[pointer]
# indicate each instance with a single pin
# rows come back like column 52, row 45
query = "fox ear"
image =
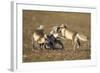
column 62, row 25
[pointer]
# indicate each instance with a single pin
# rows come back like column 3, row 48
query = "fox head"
column 62, row 26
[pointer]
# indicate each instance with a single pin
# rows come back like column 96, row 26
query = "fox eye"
column 58, row 28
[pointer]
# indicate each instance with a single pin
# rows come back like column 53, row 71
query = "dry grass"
column 79, row 22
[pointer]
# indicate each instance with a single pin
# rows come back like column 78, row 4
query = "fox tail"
column 82, row 37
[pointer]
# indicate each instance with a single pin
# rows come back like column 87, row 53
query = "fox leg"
column 76, row 42
column 74, row 46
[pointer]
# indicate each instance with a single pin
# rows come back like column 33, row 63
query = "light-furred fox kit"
column 71, row 35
